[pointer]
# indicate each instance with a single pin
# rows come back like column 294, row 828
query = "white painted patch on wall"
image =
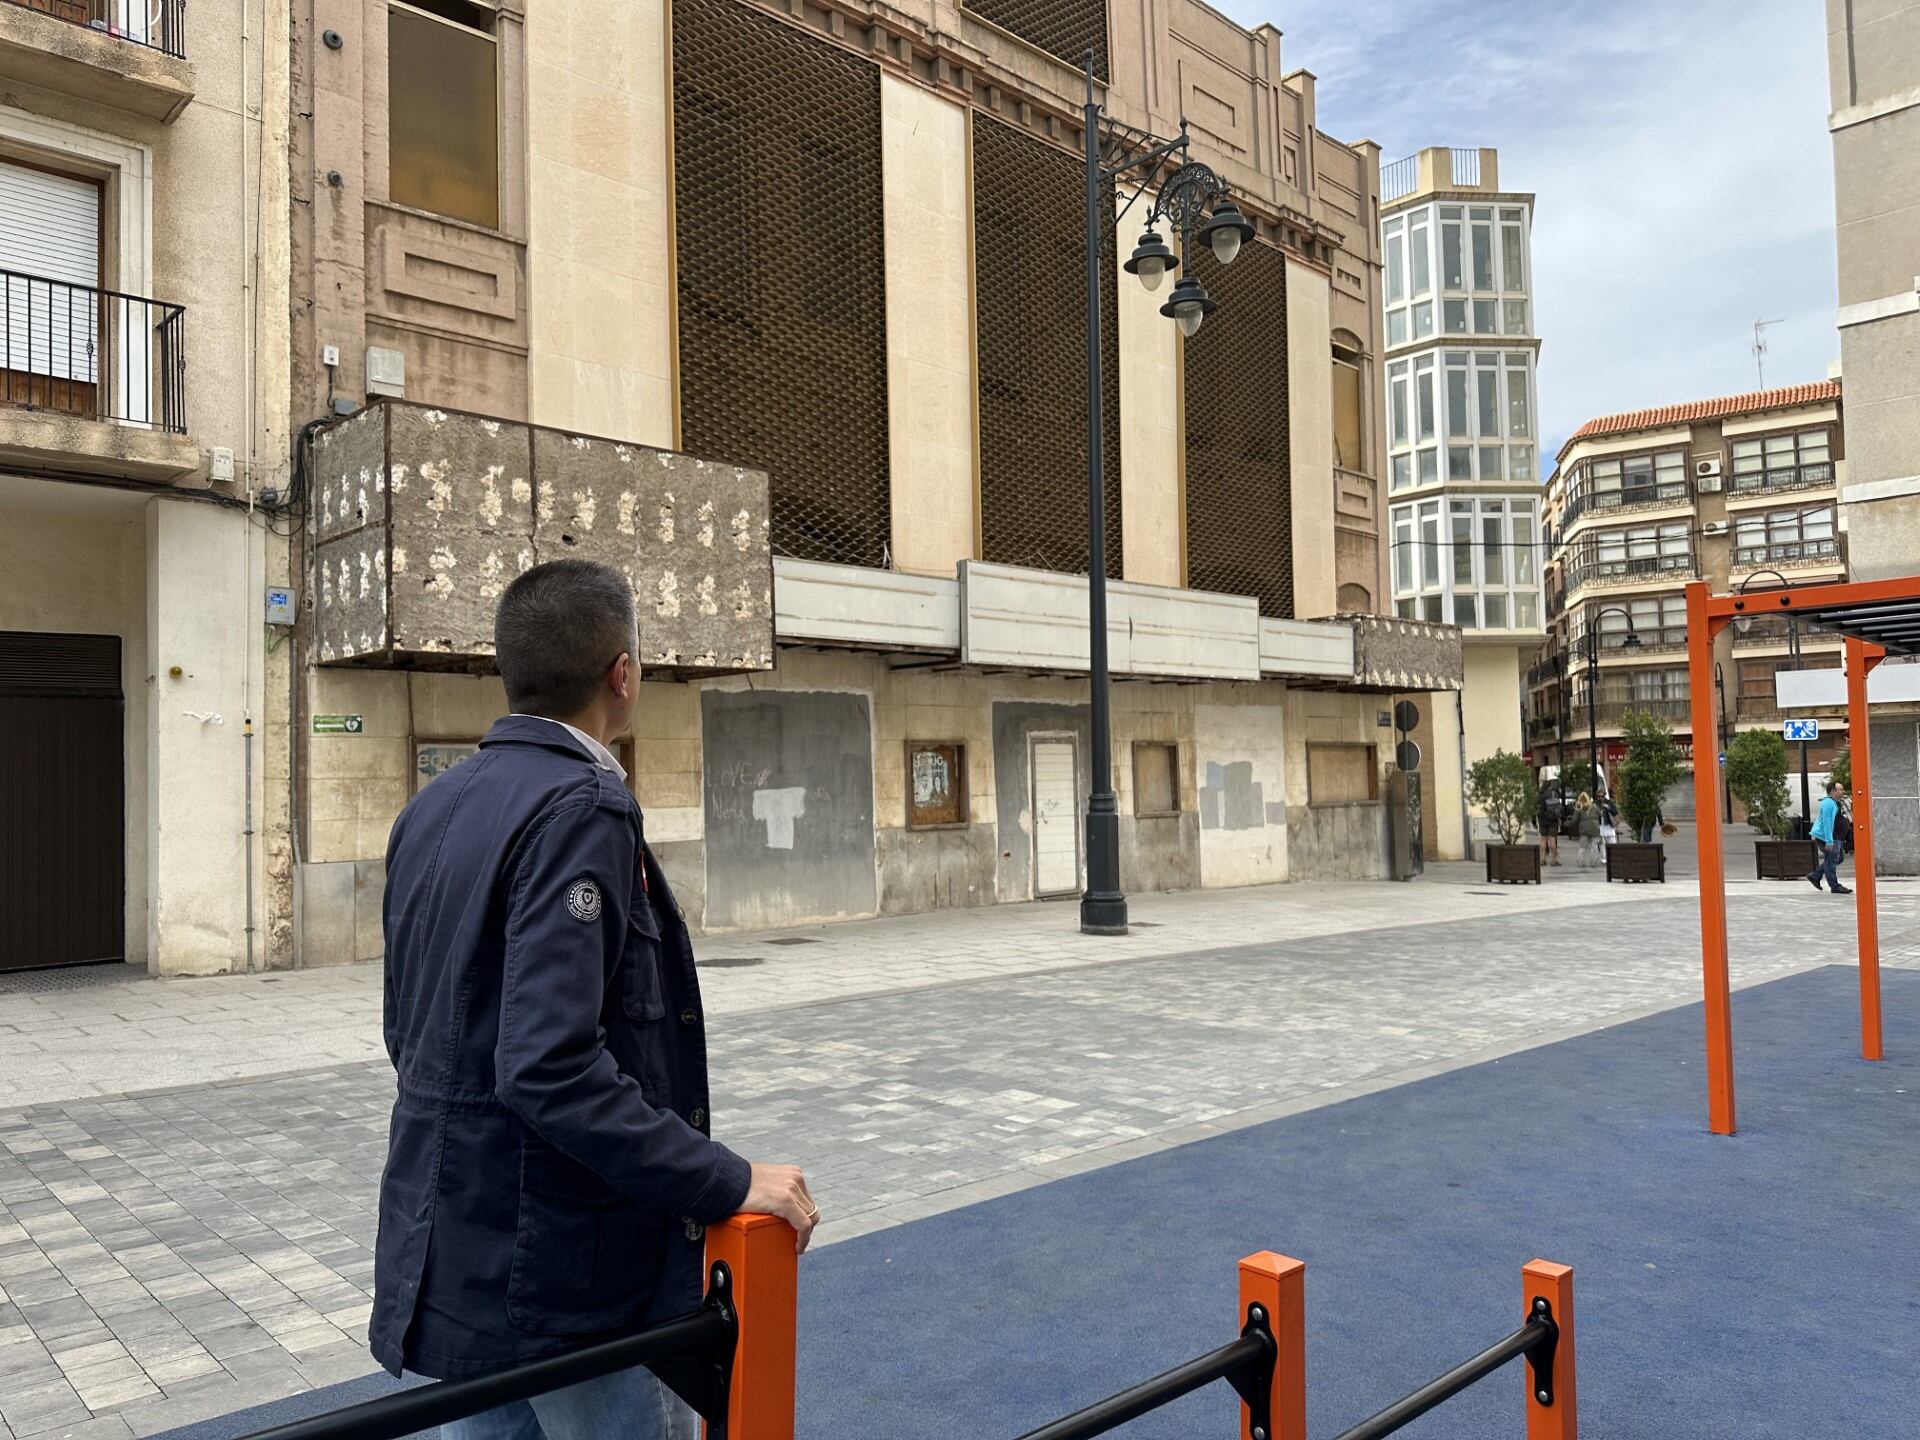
column 779, row 809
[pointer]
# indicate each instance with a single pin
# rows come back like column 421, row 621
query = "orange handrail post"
column 1542, row 1279
column 1861, row 658
column 758, row 1250
column 1278, row 1283
column 1701, row 628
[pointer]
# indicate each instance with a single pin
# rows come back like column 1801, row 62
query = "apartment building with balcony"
column 143, row 444
column 1463, row 493
column 780, row 307
column 1740, row 492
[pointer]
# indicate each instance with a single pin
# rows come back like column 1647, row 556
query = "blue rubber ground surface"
column 1764, row 1285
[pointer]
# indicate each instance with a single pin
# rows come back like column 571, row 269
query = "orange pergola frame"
column 1874, row 616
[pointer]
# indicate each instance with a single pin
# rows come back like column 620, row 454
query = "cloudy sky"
column 1679, row 152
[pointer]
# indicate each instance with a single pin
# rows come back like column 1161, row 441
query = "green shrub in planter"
column 1651, row 768
column 1757, row 775
column 1502, row 785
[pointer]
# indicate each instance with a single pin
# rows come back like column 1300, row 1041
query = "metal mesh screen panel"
column 1030, row 281
column 782, row 272
column 1066, row 29
column 1239, row 479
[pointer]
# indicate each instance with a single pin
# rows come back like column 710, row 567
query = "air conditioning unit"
column 1706, row 474
column 1714, row 527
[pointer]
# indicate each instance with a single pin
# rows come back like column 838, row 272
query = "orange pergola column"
column 1861, row 658
column 1278, row 1283
column 1701, row 629
column 758, row 1249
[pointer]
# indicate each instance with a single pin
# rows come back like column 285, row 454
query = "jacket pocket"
column 641, row 995
column 564, row 1280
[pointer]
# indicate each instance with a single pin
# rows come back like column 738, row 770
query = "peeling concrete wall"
column 1335, row 842
column 1241, row 775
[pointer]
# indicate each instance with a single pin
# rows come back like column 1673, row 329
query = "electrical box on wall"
column 280, row 605
column 386, row 371
column 220, row 465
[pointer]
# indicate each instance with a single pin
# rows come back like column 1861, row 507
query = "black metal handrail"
column 1537, row 1340
column 1629, row 496
column 1246, row 1363
column 1814, row 476
column 1583, row 573
column 100, row 354
column 692, row 1354
column 157, row 24
column 1788, row 552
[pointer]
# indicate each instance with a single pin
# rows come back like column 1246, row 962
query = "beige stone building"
column 563, row 275
column 1741, row 492
column 143, row 471
column 1463, row 475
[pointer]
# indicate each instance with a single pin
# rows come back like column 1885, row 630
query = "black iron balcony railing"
column 1788, row 553
column 1614, row 712
column 98, row 354
column 1790, row 477
column 1653, row 637
column 1624, row 497
column 157, row 24
column 1633, row 568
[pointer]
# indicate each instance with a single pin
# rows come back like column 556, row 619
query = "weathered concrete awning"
column 1403, row 656
column 423, row 516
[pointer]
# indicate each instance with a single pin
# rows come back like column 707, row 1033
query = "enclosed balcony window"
column 443, row 111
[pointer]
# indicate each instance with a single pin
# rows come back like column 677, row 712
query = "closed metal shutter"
column 49, row 264
column 62, row 800
column 1030, row 267
column 1239, row 467
column 782, row 273
column 49, row 225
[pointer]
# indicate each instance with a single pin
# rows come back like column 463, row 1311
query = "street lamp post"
column 1632, row 642
column 1191, row 199
column 1793, row 662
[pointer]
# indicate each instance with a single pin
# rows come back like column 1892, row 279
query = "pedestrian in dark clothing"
column 549, row 1168
column 1833, row 848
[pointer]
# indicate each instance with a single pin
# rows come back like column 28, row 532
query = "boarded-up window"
column 443, row 112
column 1156, row 778
column 1341, row 774
column 1347, row 428
column 936, row 784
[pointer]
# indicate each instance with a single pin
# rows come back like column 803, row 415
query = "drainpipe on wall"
column 1466, row 810
column 247, row 732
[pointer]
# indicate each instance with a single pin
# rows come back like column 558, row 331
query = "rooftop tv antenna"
column 1760, row 347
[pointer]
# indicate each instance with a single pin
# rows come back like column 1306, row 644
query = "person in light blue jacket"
column 1833, row 849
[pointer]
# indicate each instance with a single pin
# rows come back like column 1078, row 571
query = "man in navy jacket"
column 549, row 1168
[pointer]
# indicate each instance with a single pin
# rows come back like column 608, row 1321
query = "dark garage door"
column 62, row 800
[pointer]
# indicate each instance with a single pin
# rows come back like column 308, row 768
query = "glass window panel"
column 1463, row 549
column 1749, row 530
column 1423, row 388
column 1813, row 447
column 1420, row 258
column 1818, row 525
column 1524, row 555
column 1519, row 413
column 1423, row 320
column 1452, row 276
column 1435, row 608
column 1396, row 270
column 1454, row 320
column 1430, row 548
column 1746, row 457
column 1465, row 612
column 1397, row 411
column 443, row 120
column 1459, row 462
column 1481, row 212
column 1483, row 257
column 1496, row 611
column 1612, row 545
column 1526, row 610
column 1492, row 465
column 1493, row 542
column 1396, row 327
column 1670, row 467
column 1779, row 449
column 1348, row 411
column 1402, row 475
column 1512, row 276
column 1408, row 608
column 1516, row 317
column 1486, row 317
column 1489, row 405
column 1520, row 462
column 1782, row 528
column 1459, row 413
column 1429, row 465
column 1402, row 551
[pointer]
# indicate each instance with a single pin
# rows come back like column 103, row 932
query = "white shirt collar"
column 598, row 753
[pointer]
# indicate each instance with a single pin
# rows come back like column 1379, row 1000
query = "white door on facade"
column 1056, row 819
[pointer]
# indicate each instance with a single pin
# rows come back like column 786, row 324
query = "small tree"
column 1842, row 770
column 1649, row 771
column 1757, row 775
column 1502, row 785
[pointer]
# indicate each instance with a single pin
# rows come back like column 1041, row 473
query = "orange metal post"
column 1560, row 1420
column 1701, row 628
column 1279, row 1283
column 758, row 1249
column 1861, row 658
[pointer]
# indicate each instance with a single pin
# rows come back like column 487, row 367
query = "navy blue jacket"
column 548, row 1168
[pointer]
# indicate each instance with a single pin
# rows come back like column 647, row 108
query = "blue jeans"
column 1829, row 866
column 627, row 1405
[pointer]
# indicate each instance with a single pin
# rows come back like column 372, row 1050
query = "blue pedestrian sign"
column 1800, row 729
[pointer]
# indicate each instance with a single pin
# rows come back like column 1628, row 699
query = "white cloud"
column 1680, row 155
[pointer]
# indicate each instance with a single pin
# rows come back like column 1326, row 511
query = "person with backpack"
column 1833, row 829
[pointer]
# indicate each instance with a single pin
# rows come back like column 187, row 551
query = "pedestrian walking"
column 1549, row 821
column 550, row 1167
column 1609, row 822
column 1586, row 824
column 1832, row 829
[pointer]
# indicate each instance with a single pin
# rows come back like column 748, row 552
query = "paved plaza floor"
column 188, row 1175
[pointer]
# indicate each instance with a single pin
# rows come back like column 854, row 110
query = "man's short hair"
column 1833, row 785
column 558, row 628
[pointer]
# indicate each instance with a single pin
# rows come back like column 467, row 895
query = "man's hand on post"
column 782, row 1190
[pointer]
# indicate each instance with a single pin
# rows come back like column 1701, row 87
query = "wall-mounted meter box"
column 279, row 605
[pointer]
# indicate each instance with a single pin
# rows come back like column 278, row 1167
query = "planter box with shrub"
column 1513, row 864
column 1631, row 861
column 1785, row 859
